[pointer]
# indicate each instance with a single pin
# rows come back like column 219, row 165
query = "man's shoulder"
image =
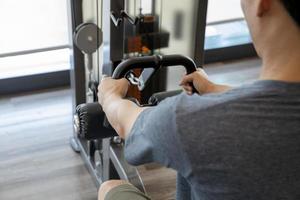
column 206, row 101
column 256, row 90
column 184, row 104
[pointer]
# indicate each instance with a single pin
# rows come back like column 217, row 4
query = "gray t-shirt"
column 239, row 145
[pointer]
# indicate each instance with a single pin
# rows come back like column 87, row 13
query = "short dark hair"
column 293, row 8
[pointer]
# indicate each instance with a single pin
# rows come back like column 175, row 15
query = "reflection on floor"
column 36, row 161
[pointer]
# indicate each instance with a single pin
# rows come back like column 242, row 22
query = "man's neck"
column 284, row 67
column 281, row 51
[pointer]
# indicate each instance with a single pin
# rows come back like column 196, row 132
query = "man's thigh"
column 121, row 190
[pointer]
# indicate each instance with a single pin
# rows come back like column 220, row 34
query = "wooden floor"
column 36, row 161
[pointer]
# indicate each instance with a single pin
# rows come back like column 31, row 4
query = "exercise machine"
column 105, row 149
column 121, row 40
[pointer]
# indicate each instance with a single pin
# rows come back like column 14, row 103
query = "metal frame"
column 229, row 53
column 113, row 37
column 25, row 52
column 125, row 171
column 34, row 82
column 224, row 21
column 21, row 84
column 237, row 51
column 77, row 71
column 109, row 151
column 200, row 32
column 111, row 163
column 106, row 150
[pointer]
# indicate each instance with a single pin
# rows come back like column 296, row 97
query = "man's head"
column 269, row 20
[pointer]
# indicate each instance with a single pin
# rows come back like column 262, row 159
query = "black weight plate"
column 88, row 37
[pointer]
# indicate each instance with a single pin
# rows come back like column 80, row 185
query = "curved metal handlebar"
column 155, row 62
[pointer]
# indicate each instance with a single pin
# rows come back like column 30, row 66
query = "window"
column 146, row 6
column 220, row 10
column 34, row 37
column 225, row 25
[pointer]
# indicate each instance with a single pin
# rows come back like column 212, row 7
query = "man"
column 226, row 144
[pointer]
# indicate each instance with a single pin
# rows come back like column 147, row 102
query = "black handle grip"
column 186, row 62
column 175, row 60
column 155, row 62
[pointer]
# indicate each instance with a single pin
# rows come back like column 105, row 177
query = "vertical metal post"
column 113, row 37
column 106, row 159
column 77, row 72
column 200, row 23
column 153, row 7
column 117, row 33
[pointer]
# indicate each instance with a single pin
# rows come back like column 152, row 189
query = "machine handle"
column 155, row 62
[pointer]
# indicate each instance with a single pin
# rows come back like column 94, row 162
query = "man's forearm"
column 216, row 88
column 121, row 114
column 220, row 88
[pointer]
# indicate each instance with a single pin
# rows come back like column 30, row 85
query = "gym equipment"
column 88, row 38
column 145, row 36
column 124, row 40
column 105, row 156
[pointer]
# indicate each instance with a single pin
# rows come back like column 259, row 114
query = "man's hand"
column 109, row 88
column 201, row 83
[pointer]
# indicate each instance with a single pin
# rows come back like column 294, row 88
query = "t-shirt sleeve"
column 154, row 137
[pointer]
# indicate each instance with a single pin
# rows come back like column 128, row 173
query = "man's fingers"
column 188, row 91
column 187, row 79
column 187, row 88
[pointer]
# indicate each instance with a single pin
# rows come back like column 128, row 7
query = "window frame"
column 55, row 79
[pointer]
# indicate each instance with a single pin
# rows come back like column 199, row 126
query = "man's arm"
column 121, row 113
column 151, row 135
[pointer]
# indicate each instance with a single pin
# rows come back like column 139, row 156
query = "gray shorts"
column 126, row 192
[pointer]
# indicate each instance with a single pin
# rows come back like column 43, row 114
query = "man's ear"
column 262, row 7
